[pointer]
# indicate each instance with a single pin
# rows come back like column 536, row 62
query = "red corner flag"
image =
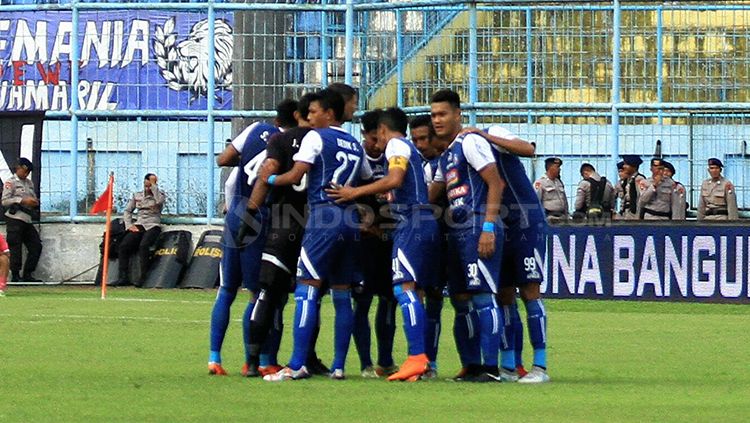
column 103, row 202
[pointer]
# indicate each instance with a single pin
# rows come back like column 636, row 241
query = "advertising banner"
column 703, row 263
column 136, row 60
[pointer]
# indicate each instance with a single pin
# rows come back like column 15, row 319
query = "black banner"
column 20, row 136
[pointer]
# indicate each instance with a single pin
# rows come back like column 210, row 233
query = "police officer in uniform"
column 680, row 204
column 718, row 200
column 657, row 199
column 632, row 187
column 622, row 178
column 551, row 192
column 595, row 195
column 19, row 200
column 143, row 231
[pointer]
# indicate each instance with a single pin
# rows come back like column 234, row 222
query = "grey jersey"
column 656, row 200
column 718, row 200
column 16, row 189
column 149, row 207
column 552, row 195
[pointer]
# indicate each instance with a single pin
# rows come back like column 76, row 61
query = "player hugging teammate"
column 461, row 213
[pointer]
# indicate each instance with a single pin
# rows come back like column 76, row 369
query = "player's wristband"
column 272, row 179
column 488, row 227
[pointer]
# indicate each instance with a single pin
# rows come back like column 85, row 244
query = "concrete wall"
column 72, row 248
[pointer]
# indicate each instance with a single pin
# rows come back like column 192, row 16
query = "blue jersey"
column 251, row 144
column 459, row 168
column 378, row 166
column 413, row 190
column 336, row 158
column 519, row 198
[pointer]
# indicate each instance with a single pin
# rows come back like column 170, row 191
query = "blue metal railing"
column 436, row 14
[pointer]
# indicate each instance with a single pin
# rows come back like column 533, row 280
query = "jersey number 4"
column 253, row 166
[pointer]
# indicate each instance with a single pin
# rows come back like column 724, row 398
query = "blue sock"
column 305, row 322
column 517, row 327
column 270, row 349
column 385, row 330
column 246, row 328
column 220, row 322
column 343, row 326
column 362, row 332
column 413, row 313
column 508, row 340
column 433, row 308
column 490, row 327
column 537, row 320
column 464, row 333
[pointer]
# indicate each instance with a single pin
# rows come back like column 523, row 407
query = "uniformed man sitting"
column 21, row 203
column 633, row 186
column 143, row 231
column 658, row 199
column 681, row 205
column 551, row 192
column 718, row 200
column 595, row 195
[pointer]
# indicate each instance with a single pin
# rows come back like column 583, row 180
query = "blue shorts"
column 523, row 254
column 467, row 272
column 331, row 248
column 416, row 245
column 240, row 265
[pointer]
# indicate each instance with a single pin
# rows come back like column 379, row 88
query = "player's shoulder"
column 498, row 131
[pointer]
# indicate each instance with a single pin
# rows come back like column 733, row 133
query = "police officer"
column 595, row 195
column 680, row 205
column 622, row 178
column 633, row 186
column 551, row 192
column 718, row 200
column 656, row 200
column 143, row 231
column 19, row 200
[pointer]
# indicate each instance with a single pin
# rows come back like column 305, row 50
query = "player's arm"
column 231, row 154
column 270, row 166
column 293, row 177
column 397, row 166
column 260, row 189
column 229, row 157
column 309, row 149
column 503, row 138
column 436, row 189
column 495, row 187
column 479, row 155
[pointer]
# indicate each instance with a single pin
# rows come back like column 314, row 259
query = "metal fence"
column 587, row 81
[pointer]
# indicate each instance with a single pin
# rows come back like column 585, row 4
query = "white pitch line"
column 63, row 317
column 137, row 300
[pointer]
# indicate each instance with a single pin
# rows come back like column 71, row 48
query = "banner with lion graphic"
column 136, row 60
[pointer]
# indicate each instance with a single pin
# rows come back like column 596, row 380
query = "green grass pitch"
column 66, row 355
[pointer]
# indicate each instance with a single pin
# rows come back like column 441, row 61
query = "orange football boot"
column 415, row 365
